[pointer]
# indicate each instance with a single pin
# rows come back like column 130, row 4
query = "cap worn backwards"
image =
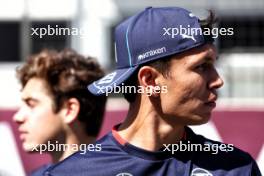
column 147, row 36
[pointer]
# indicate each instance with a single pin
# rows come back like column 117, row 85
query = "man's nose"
column 19, row 116
column 216, row 81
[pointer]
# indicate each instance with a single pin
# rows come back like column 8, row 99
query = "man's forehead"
column 34, row 89
column 207, row 51
column 29, row 94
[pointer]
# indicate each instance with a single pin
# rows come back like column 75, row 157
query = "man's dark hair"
column 163, row 64
column 66, row 75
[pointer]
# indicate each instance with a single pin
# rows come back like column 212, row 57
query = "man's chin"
column 30, row 148
column 200, row 119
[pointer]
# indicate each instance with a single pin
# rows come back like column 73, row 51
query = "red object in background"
column 244, row 129
column 241, row 128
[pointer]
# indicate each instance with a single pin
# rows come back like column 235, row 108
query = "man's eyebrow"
column 26, row 99
column 208, row 57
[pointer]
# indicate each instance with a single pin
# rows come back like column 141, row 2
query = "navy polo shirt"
column 119, row 158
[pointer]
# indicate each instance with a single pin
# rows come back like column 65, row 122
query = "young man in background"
column 58, row 115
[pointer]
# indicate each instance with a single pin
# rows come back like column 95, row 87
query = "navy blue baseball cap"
column 147, row 36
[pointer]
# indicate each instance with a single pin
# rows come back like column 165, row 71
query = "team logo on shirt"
column 124, row 174
column 200, row 172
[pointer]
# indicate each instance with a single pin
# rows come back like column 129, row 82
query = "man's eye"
column 31, row 103
column 202, row 67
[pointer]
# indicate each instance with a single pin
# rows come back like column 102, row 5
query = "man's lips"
column 23, row 134
column 212, row 102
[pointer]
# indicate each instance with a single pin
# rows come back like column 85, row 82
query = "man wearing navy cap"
column 165, row 69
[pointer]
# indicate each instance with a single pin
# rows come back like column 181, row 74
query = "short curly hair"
column 67, row 75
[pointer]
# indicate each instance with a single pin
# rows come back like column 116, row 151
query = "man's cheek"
column 193, row 89
column 187, row 94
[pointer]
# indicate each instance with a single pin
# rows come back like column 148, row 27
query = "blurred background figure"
column 87, row 26
column 58, row 115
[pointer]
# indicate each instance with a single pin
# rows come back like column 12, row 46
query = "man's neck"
column 145, row 129
column 70, row 142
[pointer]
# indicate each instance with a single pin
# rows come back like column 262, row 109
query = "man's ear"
column 148, row 78
column 70, row 110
